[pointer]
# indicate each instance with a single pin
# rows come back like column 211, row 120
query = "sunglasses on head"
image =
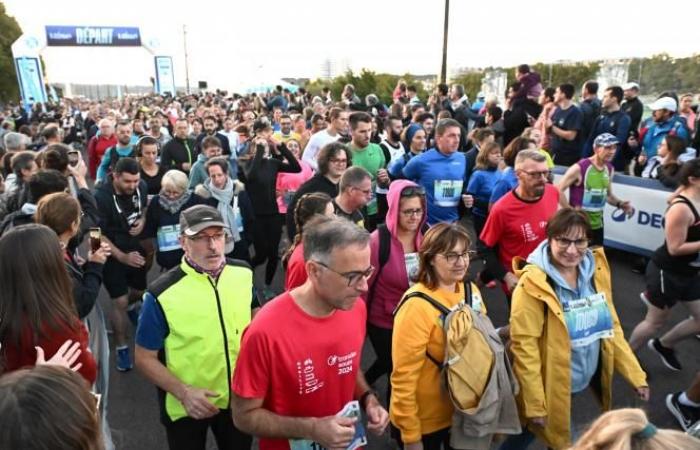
column 413, row 191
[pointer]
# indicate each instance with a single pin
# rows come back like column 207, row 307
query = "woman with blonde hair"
column 629, row 429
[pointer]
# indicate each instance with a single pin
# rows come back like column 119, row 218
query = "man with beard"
column 614, row 121
column 516, row 223
column 121, row 202
column 178, row 153
column 564, row 127
column 122, row 149
column 210, row 129
column 664, row 121
column 285, row 132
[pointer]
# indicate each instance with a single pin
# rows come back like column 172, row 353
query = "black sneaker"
column 668, row 355
column 686, row 415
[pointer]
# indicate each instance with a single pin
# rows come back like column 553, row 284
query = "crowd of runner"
column 373, row 213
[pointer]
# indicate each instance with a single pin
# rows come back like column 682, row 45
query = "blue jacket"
column 123, row 152
column 617, row 123
column 584, row 360
column 446, row 172
column 654, row 133
column 506, row 183
column 481, row 186
column 396, row 165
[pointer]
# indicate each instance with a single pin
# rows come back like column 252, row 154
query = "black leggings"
column 381, row 341
column 437, row 440
column 267, row 233
column 479, row 223
column 191, row 434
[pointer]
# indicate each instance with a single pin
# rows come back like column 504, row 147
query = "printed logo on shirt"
column 306, row 377
column 528, row 234
column 344, row 363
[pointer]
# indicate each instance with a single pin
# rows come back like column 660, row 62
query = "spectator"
column 98, row 145
column 564, row 127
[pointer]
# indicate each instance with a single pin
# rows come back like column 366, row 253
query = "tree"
column 9, row 33
column 367, row 82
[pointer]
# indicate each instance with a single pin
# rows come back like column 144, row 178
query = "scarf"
column 225, row 197
column 173, row 206
column 212, row 273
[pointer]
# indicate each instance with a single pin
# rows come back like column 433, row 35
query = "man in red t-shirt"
column 516, row 223
column 299, row 363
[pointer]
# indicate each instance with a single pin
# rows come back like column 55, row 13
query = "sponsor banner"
column 74, row 36
column 31, row 81
column 642, row 232
column 165, row 77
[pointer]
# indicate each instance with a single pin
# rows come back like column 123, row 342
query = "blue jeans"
column 518, row 441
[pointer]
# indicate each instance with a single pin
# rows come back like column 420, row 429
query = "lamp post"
column 443, row 69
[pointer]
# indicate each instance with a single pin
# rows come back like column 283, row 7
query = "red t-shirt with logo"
column 302, row 366
column 517, row 226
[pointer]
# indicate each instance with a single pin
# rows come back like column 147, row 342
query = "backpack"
column 465, row 345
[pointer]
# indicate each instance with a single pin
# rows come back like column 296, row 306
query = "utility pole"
column 187, row 67
column 443, row 69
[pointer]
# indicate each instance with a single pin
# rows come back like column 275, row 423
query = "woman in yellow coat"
column 420, row 409
column 565, row 332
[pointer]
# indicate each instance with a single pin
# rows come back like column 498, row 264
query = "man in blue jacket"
column 664, row 121
column 442, row 172
column 611, row 120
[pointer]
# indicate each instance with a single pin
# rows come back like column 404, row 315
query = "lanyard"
column 138, row 206
column 189, row 152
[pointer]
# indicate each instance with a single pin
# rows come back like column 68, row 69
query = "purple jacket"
column 389, row 286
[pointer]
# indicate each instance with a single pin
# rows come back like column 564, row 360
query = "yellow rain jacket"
column 542, row 352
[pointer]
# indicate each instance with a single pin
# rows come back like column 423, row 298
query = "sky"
column 235, row 43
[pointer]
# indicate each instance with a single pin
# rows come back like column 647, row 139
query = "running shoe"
column 124, row 363
column 685, row 415
column 667, row 355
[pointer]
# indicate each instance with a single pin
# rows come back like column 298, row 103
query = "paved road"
column 133, row 412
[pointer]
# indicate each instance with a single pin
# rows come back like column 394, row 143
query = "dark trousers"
column 381, row 341
column 191, row 434
column 266, row 239
column 598, row 236
column 438, row 440
column 479, row 222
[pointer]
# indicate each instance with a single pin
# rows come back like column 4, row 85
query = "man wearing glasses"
column 190, row 330
column 300, row 358
column 590, row 185
column 516, row 224
column 355, row 192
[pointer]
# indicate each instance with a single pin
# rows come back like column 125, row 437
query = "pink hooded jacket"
column 389, row 283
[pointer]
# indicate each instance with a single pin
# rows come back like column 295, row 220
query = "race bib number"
column 447, row 193
column 304, row 444
column 167, row 237
column 588, row 319
column 594, row 199
column 239, row 219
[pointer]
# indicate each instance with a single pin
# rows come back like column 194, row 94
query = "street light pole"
column 187, row 67
column 443, row 69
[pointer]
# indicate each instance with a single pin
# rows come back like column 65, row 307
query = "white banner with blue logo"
column 642, row 233
column 165, row 77
column 31, row 80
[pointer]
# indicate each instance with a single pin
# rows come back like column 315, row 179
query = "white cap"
column 628, row 86
column 664, row 103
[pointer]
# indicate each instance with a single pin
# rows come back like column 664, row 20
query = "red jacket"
column 24, row 355
column 96, row 149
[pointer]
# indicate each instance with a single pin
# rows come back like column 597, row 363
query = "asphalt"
column 133, row 412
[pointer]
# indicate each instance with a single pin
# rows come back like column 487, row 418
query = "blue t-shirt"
column 506, row 183
column 442, row 176
column 568, row 120
column 481, row 186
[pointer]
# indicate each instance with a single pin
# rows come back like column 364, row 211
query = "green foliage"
column 471, row 82
column 367, row 82
column 9, row 32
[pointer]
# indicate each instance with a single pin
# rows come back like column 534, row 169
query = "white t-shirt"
column 315, row 144
column 233, row 140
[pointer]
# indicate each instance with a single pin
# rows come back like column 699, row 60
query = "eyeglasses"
column 338, row 161
column 215, row 238
column 412, row 212
column 352, row 277
column 535, row 174
column 452, row 257
column 413, row 191
column 580, row 244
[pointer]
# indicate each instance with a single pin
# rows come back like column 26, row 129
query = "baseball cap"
column 605, row 140
column 630, row 85
column 664, row 103
column 199, row 217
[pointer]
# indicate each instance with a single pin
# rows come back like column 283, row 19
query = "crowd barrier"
column 642, row 233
